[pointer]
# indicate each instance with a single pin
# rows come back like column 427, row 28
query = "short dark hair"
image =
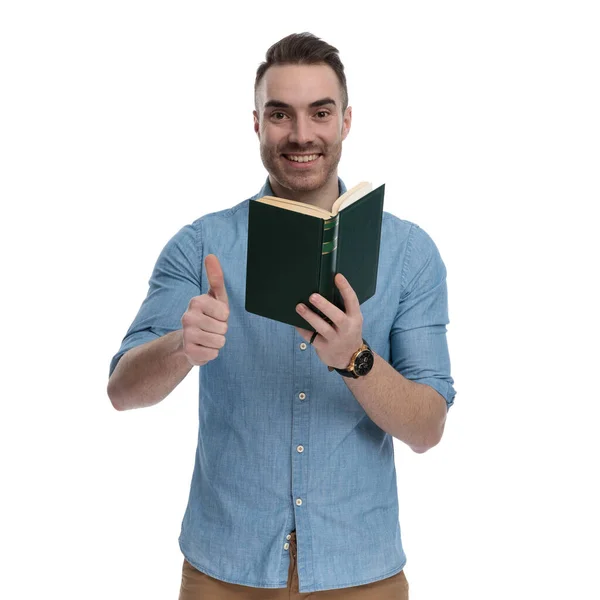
column 304, row 49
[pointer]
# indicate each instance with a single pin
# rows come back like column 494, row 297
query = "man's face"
column 300, row 125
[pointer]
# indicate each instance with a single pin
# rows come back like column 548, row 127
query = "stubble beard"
column 272, row 160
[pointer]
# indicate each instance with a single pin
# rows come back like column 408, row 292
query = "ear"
column 346, row 123
column 256, row 124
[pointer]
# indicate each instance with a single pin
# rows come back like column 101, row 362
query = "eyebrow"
column 315, row 104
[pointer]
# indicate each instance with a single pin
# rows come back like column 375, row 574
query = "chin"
column 302, row 183
column 296, row 182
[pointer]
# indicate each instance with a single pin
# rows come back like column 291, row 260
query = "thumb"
column 214, row 272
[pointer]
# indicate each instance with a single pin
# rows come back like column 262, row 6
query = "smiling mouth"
column 301, row 158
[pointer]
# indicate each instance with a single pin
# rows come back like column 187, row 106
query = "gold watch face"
column 364, row 362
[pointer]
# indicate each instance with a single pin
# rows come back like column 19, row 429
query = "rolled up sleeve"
column 175, row 280
column 419, row 348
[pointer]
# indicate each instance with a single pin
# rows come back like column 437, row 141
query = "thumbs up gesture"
column 205, row 320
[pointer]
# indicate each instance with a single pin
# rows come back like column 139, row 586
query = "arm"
column 412, row 412
column 418, row 375
column 410, row 397
column 148, row 373
column 150, row 362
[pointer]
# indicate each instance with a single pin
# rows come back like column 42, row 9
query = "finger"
column 214, row 310
column 216, row 280
column 208, row 306
column 207, row 323
column 320, row 325
column 348, row 294
column 204, row 339
column 212, row 325
column 194, row 322
column 330, row 310
column 199, row 355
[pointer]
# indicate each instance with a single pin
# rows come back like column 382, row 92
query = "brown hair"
column 304, row 49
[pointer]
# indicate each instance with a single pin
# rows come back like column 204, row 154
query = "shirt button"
column 299, row 502
column 288, row 537
column 301, row 395
column 300, row 448
column 286, row 546
column 302, row 346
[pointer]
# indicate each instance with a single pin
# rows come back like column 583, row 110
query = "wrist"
column 360, row 363
column 177, row 343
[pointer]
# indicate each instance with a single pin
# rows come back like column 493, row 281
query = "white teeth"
column 302, row 158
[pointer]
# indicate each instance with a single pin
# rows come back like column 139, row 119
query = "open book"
column 295, row 249
column 352, row 195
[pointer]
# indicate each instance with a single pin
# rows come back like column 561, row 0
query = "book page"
column 352, row 195
column 301, row 207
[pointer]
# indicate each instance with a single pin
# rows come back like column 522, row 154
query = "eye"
column 323, row 114
column 278, row 115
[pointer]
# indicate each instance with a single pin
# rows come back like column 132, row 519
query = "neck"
column 324, row 197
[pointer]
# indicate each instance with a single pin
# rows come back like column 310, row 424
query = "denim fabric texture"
column 283, row 444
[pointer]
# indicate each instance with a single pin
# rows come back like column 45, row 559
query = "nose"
column 301, row 132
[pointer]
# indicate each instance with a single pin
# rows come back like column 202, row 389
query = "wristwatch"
column 360, row 363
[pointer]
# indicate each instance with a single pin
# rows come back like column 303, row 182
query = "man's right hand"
column 205, row 320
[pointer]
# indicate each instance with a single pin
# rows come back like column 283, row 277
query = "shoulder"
column 215, row 223
column 413, row 248
column 395, row 225
column 227, row 213
column 222, row 216
column 411, row 236
column 191, row 238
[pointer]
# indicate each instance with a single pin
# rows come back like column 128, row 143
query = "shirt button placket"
column 300, row 435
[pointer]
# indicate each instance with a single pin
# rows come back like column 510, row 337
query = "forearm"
column 148, row 373
column 412, row 412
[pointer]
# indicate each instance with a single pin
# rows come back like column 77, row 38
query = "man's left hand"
column 338, row 341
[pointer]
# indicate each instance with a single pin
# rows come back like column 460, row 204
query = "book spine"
column 329, row 258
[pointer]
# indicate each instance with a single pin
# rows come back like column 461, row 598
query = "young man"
column 294, row 484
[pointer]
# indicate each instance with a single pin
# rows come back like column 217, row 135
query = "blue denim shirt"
column 282, row 443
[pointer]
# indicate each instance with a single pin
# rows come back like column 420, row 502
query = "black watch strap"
column 346, row 372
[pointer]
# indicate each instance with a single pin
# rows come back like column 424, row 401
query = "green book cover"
column 292, row 254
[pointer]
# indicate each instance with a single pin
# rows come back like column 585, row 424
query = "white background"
column 122, row 121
